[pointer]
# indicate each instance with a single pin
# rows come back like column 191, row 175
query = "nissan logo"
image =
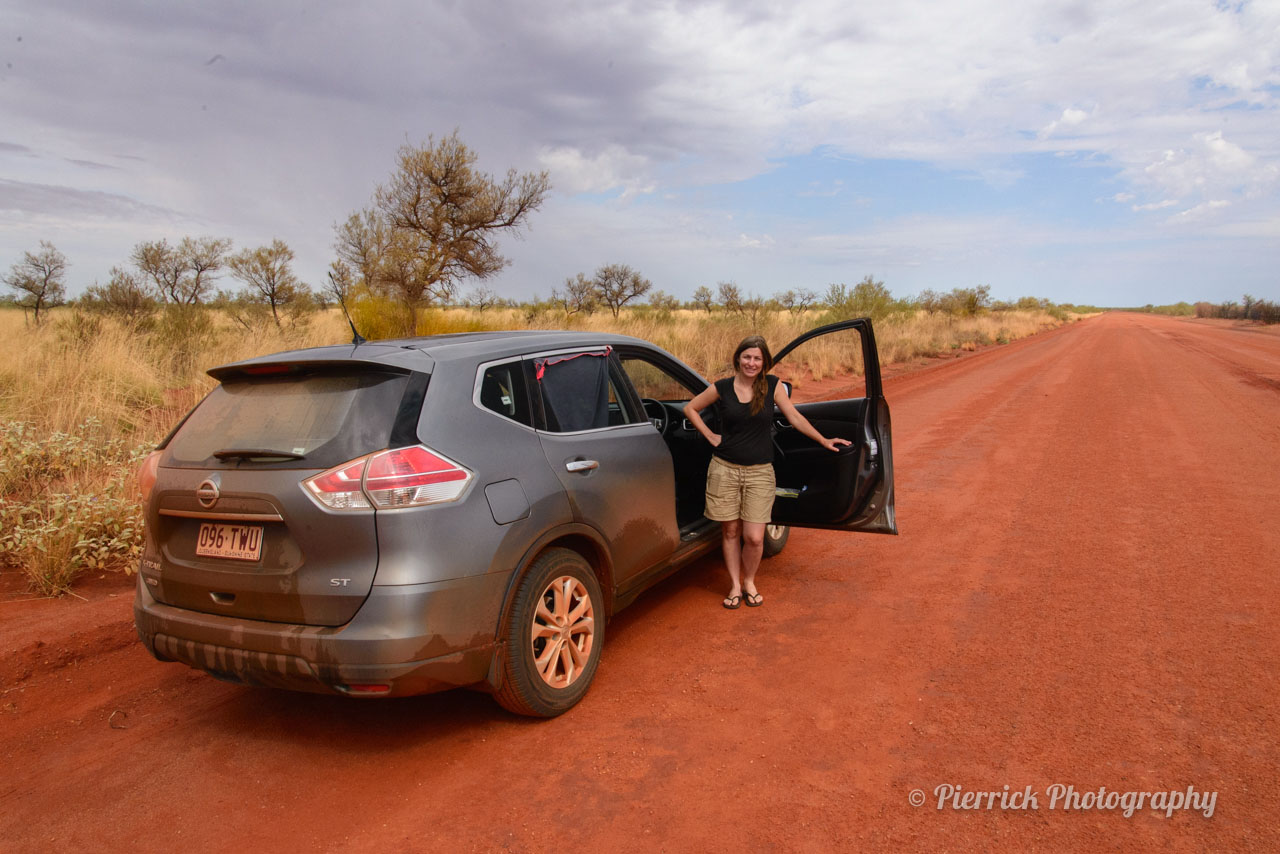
column 207, row 494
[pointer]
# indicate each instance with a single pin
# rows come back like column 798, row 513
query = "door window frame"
column 628, row 401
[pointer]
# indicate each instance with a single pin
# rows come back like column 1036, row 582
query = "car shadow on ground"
column 390, row 724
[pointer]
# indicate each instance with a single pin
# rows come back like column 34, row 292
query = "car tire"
column 551, row 652
column 775, row 539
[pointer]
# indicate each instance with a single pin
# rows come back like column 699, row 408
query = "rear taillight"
column 407, row 477
column 339, row 488
column 403, row 477
column 147, row 473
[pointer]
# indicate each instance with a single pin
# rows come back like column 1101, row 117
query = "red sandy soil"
column 1085, row 592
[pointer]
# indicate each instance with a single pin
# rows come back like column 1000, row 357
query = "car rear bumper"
column 414, row 639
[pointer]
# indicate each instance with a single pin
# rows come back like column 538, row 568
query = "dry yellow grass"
column 79, row 393
column 138, row 383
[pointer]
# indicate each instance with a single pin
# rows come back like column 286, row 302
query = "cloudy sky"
column 1115, row 153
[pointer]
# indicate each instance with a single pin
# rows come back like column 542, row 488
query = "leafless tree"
column 796, row 301
column 730, row 296
column 754, row 306
column 704, row 297
column 579, row 295
column 618, row 284
column 268, row 273
column 39, row 279
column 124, row 295
column 182, row 274
column 481, row 298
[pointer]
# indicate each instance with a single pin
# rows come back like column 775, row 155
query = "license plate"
column 234, row 542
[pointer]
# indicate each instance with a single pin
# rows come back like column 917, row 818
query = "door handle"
column 582, row 465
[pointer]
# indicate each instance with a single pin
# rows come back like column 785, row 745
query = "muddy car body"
column 408, row 516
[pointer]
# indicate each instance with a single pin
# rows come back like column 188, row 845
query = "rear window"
column 324, row 418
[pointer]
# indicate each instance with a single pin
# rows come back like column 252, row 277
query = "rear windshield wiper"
column 255, row 454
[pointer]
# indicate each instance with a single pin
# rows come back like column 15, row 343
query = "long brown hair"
column 760, row 387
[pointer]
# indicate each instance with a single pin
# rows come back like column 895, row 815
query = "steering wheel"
column 658, row 415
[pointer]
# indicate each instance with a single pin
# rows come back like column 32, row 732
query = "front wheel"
column 775, row 538
column 553, row 636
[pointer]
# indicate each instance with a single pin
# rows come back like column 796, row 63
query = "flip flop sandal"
column 754, row 600
column 733, row 603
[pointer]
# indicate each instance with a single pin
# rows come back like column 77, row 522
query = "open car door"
column 851, row 490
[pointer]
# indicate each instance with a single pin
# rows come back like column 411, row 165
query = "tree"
column 968, row 301
column 617, row 284
column 796, row 301
column 436, row 222
column 266, row 270
column 341, row 282
column 361, row 242
column 481, row 298
column 124, row 295
column 703, row 297
column 663, row 304
column 753, row 306
column 579, row 295
column 39, row 279
column 182, row 274
column 730, row 296
column 868, row 298
column 930, row 301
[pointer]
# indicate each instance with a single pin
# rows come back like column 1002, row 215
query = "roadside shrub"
column 79, row 330
column 67, row 503
column 124, row 296
column 182, row 332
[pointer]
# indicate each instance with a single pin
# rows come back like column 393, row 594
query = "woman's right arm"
column 705, row 398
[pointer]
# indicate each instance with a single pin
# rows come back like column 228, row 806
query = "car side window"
column 579, row 392
column 502, row 390
column 828, row 367
column 652, row 381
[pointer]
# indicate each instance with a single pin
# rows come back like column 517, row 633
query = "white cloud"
column 1155, row 206
column 764, row 241
column 613, row 168
column 1208, row 166
column 1200, row 211
column 1070, row 118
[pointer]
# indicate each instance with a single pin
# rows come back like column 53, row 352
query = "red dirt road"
column 1085, row 592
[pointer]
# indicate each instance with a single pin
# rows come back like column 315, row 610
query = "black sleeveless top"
column 745, row 439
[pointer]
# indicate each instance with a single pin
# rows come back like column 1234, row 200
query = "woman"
column 740, row 481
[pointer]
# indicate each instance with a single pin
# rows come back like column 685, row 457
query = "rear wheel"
column 553, row 636
column 775, row 537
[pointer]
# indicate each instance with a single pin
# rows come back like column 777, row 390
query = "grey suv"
column 401, row 517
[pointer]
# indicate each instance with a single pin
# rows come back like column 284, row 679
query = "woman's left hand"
column 834, row 444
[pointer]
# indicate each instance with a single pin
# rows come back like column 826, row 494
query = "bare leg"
column 751, row 551
column 730, row 542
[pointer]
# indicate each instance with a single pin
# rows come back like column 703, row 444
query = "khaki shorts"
column 739, row 492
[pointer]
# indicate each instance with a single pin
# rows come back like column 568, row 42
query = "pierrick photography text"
column 1067, row 798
